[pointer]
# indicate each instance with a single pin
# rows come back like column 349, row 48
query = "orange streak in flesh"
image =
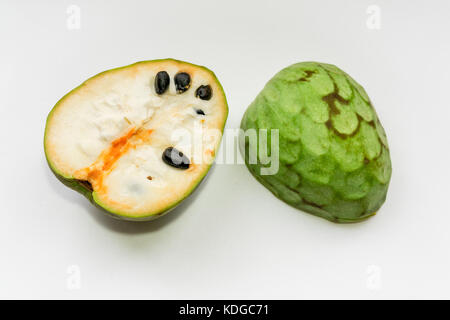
column 105, row 162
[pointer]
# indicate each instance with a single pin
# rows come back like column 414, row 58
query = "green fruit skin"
column 334, row 157
column 90, row 194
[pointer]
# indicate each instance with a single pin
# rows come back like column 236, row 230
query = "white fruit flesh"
column 112, row 131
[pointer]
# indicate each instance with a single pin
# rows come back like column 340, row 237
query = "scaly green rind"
column 80, row 187
column 333, row 151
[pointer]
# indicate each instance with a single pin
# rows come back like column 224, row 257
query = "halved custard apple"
column 137, row 140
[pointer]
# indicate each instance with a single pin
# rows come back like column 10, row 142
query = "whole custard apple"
column 333, row 153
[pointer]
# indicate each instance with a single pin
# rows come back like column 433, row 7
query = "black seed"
column 175, row 158
column 182, row 82
column 204, row 92
column 162, row 82
column 200, row 111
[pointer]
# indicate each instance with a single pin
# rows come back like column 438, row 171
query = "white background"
column 232, row 238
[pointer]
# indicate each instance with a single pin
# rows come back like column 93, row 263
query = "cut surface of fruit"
column 110, row 137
